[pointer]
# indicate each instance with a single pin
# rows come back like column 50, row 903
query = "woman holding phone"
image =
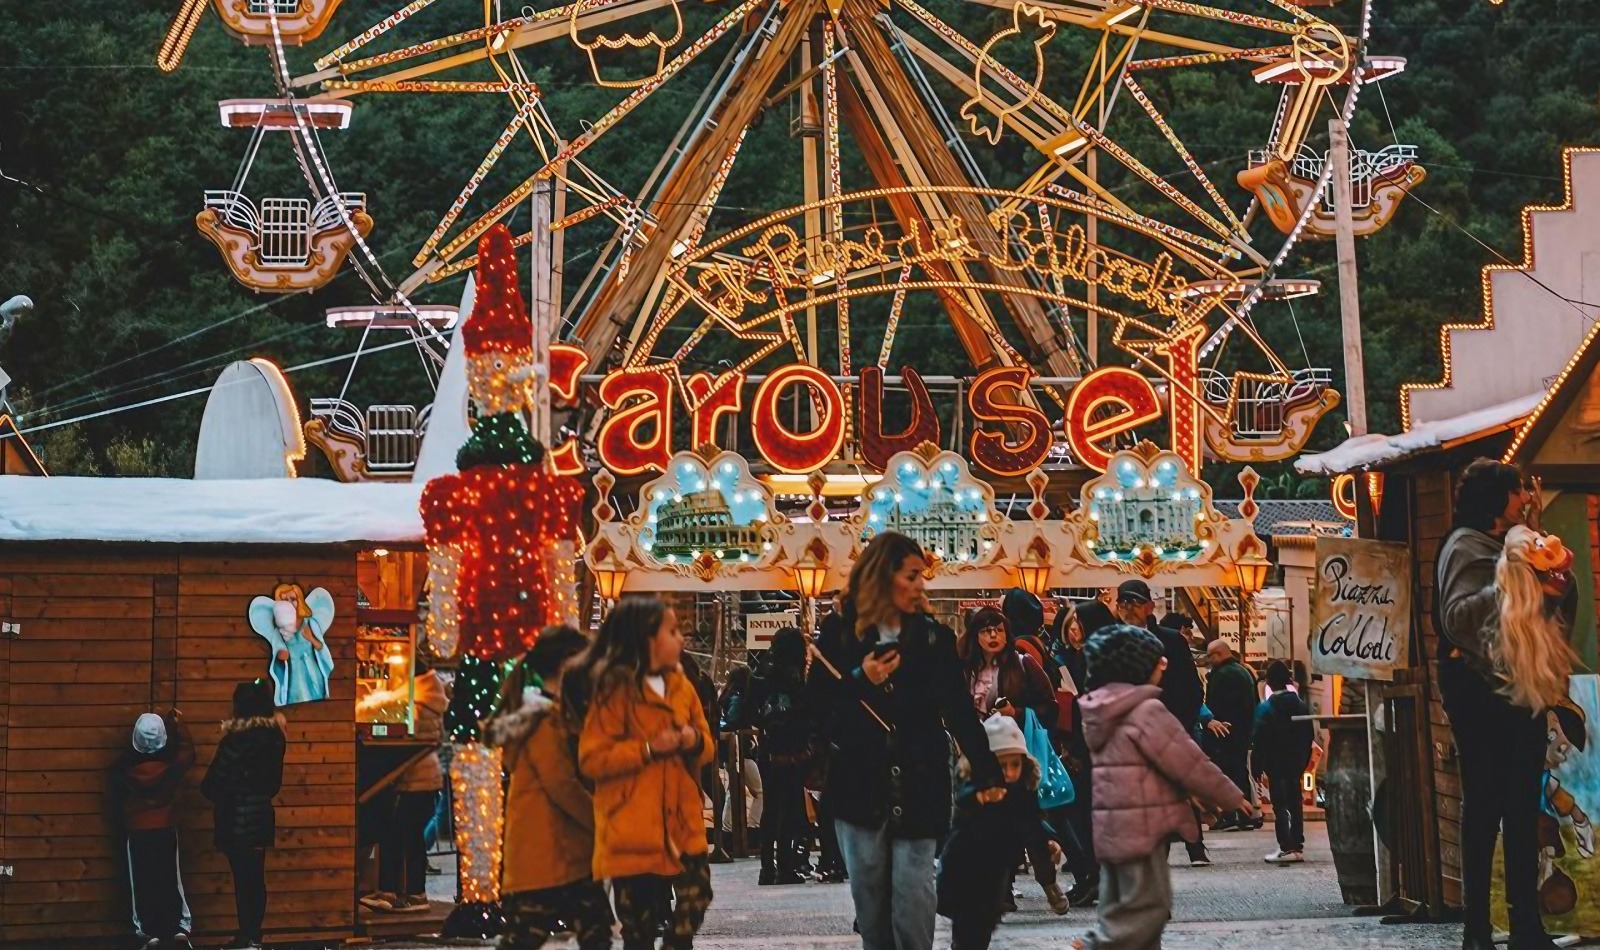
column 887, row 687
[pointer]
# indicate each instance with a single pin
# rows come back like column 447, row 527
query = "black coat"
column 1181, row 690
column 974, row 868
column 1282, row 745
column 900, row 776
column 1231, row 697
column 245, row 774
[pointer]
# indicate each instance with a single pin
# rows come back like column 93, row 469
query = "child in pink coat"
column 1146, row 767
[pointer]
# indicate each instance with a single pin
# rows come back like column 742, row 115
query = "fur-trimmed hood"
column 230, row 726
column 510, row 729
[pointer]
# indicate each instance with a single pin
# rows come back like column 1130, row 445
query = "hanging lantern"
column 1033, row 572
column 811, row 572
column 1252, row 570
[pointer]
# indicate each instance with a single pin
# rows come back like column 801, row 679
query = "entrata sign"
column 1361, row 608
column 1104, row 406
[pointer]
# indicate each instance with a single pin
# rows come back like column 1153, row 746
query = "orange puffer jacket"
column 647, row 810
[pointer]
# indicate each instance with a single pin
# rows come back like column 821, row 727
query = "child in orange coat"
column 644, row 741
column 545, row 881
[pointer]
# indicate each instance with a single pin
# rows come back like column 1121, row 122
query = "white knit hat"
column 1004, row 735
column 149, row 733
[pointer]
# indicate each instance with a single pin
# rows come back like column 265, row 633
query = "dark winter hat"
column 1024, row 614
column 1134, row 591
column 1122, row 654
column 1093, row 616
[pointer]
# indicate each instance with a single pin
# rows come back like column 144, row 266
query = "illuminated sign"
column 1102, row 409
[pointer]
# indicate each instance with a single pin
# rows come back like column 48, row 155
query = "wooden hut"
column 1519, row 383
column 121, row 596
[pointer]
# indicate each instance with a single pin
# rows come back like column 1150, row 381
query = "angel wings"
column 295, row 625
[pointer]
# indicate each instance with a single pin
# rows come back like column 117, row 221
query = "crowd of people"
column 893, row 746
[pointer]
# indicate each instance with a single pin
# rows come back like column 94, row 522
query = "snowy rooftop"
column 262, row 511
column 1366, row 451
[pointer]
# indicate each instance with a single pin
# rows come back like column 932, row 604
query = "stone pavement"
column 1239, row 903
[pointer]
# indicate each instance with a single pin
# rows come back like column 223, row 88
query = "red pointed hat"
column 499, row 320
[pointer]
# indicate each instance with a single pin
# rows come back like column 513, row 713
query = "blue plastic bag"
column 1055, row 785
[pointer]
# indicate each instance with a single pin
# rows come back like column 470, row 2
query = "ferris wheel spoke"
column 600, row 127
column 1161, row 123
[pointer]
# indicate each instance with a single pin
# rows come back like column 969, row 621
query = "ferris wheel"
column 1033, row 171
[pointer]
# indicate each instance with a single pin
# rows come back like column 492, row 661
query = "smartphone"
column 884, row 649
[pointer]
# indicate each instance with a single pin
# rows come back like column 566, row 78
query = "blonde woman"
column 887, row 687
column 1496, row 664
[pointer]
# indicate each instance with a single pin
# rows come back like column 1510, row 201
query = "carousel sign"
column 1105, row 405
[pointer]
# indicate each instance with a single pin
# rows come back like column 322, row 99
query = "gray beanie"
column 1121, row 654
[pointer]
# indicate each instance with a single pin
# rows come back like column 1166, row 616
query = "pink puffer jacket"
column 1145, row 769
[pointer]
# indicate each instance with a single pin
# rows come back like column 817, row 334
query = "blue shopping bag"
column 1055, row 785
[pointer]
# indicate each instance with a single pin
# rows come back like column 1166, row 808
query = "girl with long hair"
column 643, row 743
column 886, row 686
column 1499, row 667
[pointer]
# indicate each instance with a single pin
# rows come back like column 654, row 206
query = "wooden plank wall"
column 113, row 631
column 1433, row 501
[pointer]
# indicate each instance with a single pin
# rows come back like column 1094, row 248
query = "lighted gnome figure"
column 501, row 537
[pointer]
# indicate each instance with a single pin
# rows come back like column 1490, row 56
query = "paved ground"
column 1239, row 903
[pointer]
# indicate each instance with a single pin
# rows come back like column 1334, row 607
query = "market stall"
column 121, row 596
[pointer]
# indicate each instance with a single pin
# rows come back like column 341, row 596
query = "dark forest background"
column 103, row 161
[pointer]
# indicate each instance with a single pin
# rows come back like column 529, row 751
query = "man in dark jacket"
column 1181, row 691
column 1231, row 697
column 1282, row 752
column 142, row 789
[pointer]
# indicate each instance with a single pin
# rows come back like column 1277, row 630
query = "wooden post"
column 541, row 309
column 1355, row 384
column 1355, row 374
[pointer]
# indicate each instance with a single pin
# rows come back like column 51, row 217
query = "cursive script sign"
column 1361, row 608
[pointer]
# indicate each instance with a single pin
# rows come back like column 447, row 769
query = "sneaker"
column 182, row 942
column 409, row 905
column 379, row 900
column 150, row 943
column 434, row 869
column 1200, row 860
column 1058, row 901
column 1286, row 857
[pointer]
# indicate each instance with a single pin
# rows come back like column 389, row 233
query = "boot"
column 769, row 859
column 787, row 859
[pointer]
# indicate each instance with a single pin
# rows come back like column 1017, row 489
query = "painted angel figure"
column 295, row 625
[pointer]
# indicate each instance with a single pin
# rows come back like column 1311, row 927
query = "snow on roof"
column 1365, row 451
column 257, row 511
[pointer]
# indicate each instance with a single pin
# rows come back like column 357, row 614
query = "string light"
column 478, row 809
column 1486, row 285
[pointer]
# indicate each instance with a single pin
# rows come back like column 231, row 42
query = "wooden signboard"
column 1361, row 608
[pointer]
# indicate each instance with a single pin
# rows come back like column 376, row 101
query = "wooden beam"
column 619, row 299
column 923, row 134
column 881, row 163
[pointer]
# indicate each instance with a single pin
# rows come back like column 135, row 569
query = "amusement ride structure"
column 941, row 170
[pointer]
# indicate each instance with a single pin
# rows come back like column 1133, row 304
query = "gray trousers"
column 1135, row 904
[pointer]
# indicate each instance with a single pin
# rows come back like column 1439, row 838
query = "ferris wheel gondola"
column 282, row 244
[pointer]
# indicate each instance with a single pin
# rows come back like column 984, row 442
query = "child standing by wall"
column 644, row 740
column 245, row 774
column 988, row 833
column 1146, row 766
column 549, row 833
column 143, row 786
